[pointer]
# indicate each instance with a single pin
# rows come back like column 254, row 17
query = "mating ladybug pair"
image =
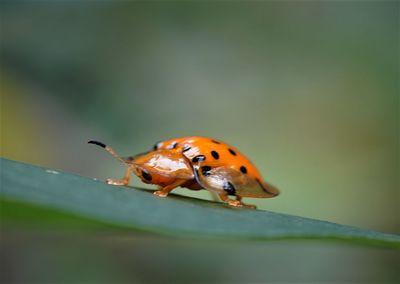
column 196, row 163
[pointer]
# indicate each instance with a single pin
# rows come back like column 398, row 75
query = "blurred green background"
column 309, row 91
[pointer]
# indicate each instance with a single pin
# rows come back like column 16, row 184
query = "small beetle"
column 196, row 163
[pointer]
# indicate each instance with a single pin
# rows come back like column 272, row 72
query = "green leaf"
column 37, row 197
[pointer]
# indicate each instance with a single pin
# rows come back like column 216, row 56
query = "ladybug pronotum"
column 196, row 163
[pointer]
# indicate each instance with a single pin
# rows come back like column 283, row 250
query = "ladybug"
column 196, row 163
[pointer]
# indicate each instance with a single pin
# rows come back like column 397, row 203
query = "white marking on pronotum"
column 52, row 172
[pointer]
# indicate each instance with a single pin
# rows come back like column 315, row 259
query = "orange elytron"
column 196, row 163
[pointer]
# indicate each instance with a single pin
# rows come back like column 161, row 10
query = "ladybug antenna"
column 108, row 149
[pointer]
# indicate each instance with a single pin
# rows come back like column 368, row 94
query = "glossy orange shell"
column 216, row 152
column 228, row 162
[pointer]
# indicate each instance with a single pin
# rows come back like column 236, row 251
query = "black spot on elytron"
column 198, row 158
column 216, row 142
column 243, row 169
column 215, row 155
column 232, row 152
column 206, row 170
column 229, row 188
column 173, row 145
column 146, row 175
column 186, row 148
column 157, row 145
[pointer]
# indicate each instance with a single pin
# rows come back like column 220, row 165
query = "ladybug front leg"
column 164, row 191
column 124, row 180
column 252, row 206
column 235, row 203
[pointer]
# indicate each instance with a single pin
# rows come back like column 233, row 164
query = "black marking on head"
column 266, row 190
column 186, row 148
column 146, row 175
column 205, row 170
column 97, row 143
column 243, row 169
column 229, row 188
column 198, row 158
column 215, row 155
column 130, row 158
column 232, row 152
column 215, row 141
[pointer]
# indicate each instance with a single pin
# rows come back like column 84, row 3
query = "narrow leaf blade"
column 131, row 208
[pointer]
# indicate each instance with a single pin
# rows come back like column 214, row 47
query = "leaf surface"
column 36, row 196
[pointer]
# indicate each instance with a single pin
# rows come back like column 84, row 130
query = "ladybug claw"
column 237, row 203
column 160, row 193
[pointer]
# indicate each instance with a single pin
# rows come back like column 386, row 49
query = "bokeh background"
column 309, row 91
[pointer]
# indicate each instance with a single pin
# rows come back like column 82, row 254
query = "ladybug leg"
column 164, row 191
column 235, row 203
column 124, row 180
column 252, row 206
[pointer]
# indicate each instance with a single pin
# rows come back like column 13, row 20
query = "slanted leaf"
column 54, row 199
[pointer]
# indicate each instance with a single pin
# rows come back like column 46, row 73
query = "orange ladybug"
column 196, row 163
